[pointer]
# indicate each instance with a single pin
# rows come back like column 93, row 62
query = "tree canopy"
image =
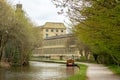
column 18, row 36
column 98, row 26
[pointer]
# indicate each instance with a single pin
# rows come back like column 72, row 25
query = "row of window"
column 54, row 30
column 58, row 51
column 55, row 42
column 47, row 35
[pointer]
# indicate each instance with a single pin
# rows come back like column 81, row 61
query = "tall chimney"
column 19, row 7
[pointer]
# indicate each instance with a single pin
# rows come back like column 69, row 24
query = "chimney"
column 19, row 6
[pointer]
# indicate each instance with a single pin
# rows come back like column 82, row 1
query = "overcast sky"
column 40, row 11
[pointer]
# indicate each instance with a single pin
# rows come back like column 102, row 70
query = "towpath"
column 100, row 72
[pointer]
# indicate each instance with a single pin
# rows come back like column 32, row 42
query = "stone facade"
column 55, row 47
column 55, row 40
column 53, row 29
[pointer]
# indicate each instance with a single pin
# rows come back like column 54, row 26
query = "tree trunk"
column 1, row 53
column 95, row 57
column 86, row 55
column 80, row 51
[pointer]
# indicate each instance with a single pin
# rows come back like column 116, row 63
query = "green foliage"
column 98, row 26
column 101, row 29
column 81, row 75
column 17, row 34
column 16, row 58
column 82, row 58
column 114, row 68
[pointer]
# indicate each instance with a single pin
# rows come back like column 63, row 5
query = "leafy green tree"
column 97, row 26
column 101, row 29
column 17, row 35
column 6, row 19
column 84, row 50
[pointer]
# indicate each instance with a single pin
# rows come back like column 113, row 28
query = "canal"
column 38, row 71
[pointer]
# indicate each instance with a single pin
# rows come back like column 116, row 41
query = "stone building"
column 52, row 29
column 19, row 8
column 55, row 43
column 55, row 47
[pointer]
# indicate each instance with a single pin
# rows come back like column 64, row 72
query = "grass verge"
column 115, row 69
column 81, row 75
column 47, row 60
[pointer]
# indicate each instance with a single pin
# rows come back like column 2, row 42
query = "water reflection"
column 70, row 70
column 38, row 71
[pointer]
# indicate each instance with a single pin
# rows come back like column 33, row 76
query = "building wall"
column 56, row 49
column 54, row 45
column 53, row 29
column 53, row 32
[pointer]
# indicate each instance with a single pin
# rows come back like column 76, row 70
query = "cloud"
column 40, row 11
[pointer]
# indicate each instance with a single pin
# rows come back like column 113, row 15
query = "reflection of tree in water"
column 38, row 71
column 70, row 70
column 2, row 76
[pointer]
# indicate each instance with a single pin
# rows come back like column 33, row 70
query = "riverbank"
column 100, row 72
column 50, row 61
column 4, row 64
column 81, row 74
column 115, row 69
column 93, row 71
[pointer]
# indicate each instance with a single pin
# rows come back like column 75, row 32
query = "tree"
column 102, row 29
column 84, row 50
column 17, row 35
column 6, row 18
column 98, row 26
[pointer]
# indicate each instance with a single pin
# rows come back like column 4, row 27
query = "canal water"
column 38, row 71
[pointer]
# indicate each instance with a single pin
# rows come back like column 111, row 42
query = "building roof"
column 59, row 36
column 54, row 25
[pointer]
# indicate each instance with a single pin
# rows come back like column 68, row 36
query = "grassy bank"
column 115, row 69
column 47, row 60
column 81, row 75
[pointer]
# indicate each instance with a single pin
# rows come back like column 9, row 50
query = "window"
column 56, row 30
column 52, row 30
column 46, row 30
column 46, row 35
column 61, row 30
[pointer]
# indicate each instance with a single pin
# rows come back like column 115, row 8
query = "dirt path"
column 100, row 72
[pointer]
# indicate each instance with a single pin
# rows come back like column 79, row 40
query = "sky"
column 40, row 11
